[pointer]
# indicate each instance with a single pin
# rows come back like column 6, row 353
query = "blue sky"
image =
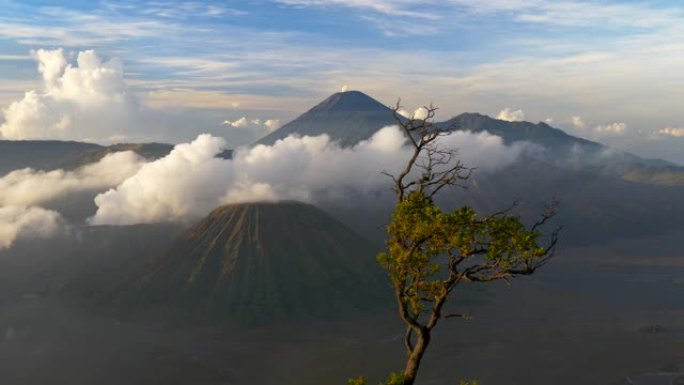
column 604, row 70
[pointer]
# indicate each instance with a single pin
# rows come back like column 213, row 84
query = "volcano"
column 257, row 262
column 347, row 117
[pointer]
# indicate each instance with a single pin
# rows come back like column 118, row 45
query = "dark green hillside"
column 258, row 262
column 53, row 154
column 146, row 150
column 39, row 154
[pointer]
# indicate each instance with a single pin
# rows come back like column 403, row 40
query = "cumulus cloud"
column 191, row 180
column 88, row 100
column 616, row 128
column 187, row 182
column 672, row 131
column 421, row 113
column 268, row 125
column 578, row 123
column 242, row 122
column 272, row 124
column 22, row 221
column 29, row 187
column 510, row 115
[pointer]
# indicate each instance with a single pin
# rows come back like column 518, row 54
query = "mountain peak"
column 349, row 101
column 346, row 117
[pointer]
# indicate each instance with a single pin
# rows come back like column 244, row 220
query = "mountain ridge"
column 352, row 116
column 559, row 147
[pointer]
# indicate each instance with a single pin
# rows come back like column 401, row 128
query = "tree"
column 430, row 251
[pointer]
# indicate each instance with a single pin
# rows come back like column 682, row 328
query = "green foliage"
column 393, row 379
column 424, row 240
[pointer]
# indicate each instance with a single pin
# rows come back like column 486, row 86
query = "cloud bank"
column 21, row 221
column 23, row 191
column 28, row 187
column 191, row 180
column 188, row 182
column 85, row 101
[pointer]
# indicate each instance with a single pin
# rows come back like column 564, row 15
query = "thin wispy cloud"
column 406, row 8
column 561, row 13
column 57, row 26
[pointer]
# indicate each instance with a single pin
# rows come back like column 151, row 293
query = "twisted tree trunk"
column 415, row 356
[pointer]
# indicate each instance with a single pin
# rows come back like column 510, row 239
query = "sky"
column 108, row 71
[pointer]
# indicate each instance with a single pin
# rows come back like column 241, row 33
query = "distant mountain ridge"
column 570, row 151
column 352, row 116
column 54, row 154
column 39, row 154
column 510, row 132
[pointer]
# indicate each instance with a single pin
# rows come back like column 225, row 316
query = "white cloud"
column 28, row 187
column 88, row 100
column 510, row 115
column 268, row 125
column 576, row 14
column 616, row 128
column 183, row 10
column 188, row 182
column 272, row 124
column 385, row 7
column 191, row 181
column 421, row 113
column 251, row 192
column 242, row 122
column 578, row 123
column 22, row 221
column 51, row 64
column 407, row 17
column 672, row 131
